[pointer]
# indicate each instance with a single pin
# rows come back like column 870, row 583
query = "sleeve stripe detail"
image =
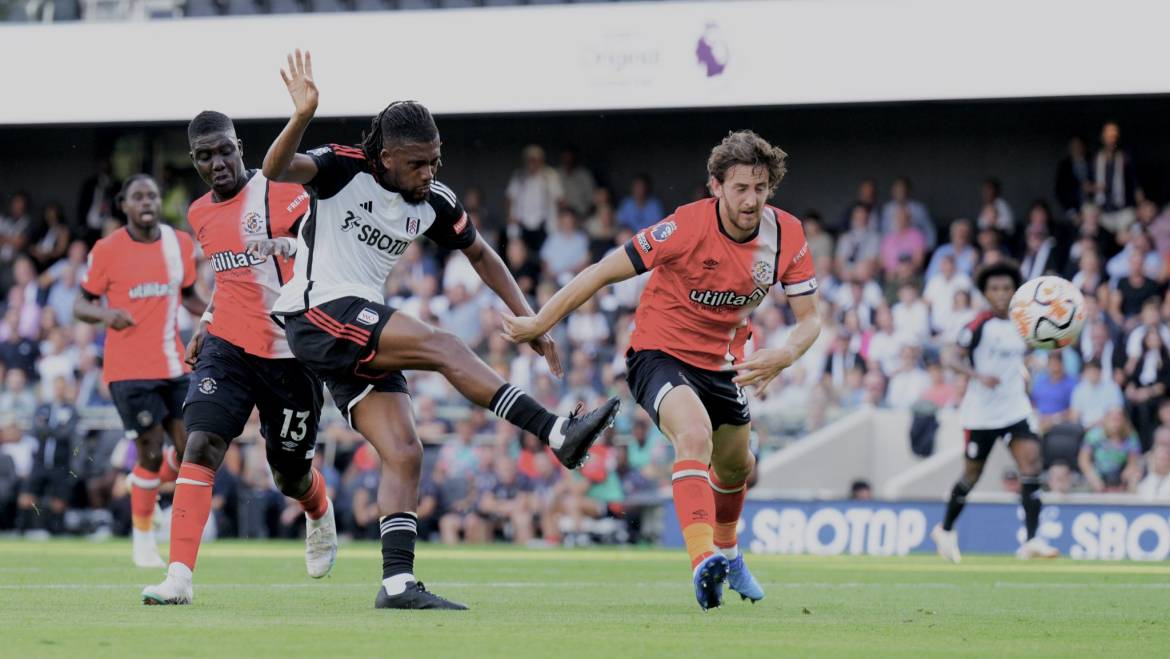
column 635, row 258
column 801, row 288
column 348, row 151
column 444, row 192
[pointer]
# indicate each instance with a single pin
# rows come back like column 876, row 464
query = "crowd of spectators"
column 895, row 284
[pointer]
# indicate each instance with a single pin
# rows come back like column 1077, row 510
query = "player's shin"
column 143, row 496
column 729, row 497
column 315, row 500
column 521, row 410
column 694, row 504
column 169, row 471
column 1030, row 500
column 189, row 513
column 955, row 504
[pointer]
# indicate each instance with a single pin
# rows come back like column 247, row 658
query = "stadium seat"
column 198, row 8
column 369, row 5
column 285, row 7
column 242, row 8
column 1062, row 443
column 327, row 6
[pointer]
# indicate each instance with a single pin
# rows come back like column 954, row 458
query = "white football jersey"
column 357, row 230
column 995, row 348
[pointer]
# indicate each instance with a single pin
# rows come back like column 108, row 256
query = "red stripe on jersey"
column 335, row 328
column 348, row 151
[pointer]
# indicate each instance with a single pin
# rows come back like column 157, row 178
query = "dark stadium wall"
column 946, row 149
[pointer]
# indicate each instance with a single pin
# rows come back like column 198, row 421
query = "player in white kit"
column 996, row 406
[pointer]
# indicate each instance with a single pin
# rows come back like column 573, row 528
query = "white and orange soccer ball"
column 1048, row 312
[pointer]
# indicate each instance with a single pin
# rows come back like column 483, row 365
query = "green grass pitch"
column 252, row 599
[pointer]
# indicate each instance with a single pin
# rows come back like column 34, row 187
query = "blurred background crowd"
column 895, row 286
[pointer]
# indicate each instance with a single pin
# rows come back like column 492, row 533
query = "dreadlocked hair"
column 401, row 122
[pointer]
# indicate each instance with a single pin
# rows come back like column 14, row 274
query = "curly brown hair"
column 745, row 147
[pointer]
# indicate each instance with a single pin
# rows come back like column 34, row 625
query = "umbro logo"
column 710, row 264
column 368, row 205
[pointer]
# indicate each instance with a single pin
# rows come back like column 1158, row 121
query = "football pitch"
column 78, row 599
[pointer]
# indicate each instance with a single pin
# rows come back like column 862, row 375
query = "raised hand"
column 299, row 80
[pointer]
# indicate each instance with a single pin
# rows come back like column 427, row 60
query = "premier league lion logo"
column 663, row 231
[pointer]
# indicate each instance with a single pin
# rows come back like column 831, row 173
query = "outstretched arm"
column 764, row 365
column 495, row 274
column 615, row 267
column 282, row 162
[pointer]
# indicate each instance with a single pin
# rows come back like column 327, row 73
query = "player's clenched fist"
column 299, row 80
column 521, row 329
column 119, row 319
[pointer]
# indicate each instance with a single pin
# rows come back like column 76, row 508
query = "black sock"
column 55, row 523
column 1030, row 500
column 27, row 520
column 955, row 504
column 522, row 411
column 398, row 535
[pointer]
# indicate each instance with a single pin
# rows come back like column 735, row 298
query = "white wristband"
column 206, row 318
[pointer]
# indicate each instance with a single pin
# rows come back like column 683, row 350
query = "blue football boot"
column 742, row 581
column 709, row 578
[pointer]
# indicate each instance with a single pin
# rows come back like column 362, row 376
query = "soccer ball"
column 1048, row 312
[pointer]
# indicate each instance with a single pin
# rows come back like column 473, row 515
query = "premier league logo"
column 663, row 230
column 253, row 222
column 762, row 273
column 412, row 224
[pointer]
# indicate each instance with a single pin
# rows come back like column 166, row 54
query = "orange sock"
column 169, row 470
column 728, row 507
column 143, row 495
column 190, row 511
column 694, row 504
column 315, row 502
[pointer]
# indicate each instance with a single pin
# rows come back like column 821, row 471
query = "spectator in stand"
column 1159, row 230
column 53, row 237
column 1090, row 274
column 1115, row 184
column 51, row 479
column 960, row 249
column 641, row 209
column 1093, row 231
column 534, row 195
column 941, row 289
column 820, row 243
column 1098, row 344
column 1150, row 320
column 1133, row 291
column 506, row 501
column 18, row 352
column 522, row 265
column 1138, row 254
column 1094, row 395
column 18, row 401
column 1060, row 478
column 1052, row 392
column 1109, row 458
column 961, row 315
column 860, row 490
column 588, row 328
column 577, row 181
column 941, row 392
column 1074, row 178
column 1041, row 255
column 860, row 244
column 1156, row 485
column 602, row 225
column 1145, row 387
column 909, row 383
column 882, row 349
column 995, row 212
column 902, row 240
column 867, row 200
column 566, row 251
column 15, row 230
column 919, row 216
column 911, row 315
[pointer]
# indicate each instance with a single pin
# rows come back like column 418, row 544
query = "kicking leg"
column 946, row 540
column 386, row 420
column 407, row 343
column 731, row 463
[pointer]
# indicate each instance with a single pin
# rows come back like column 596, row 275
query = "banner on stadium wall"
column 581, row 57
column 832, row 528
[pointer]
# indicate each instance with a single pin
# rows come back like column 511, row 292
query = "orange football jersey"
column 704, row 285
column 146, row 280
column 246, row 287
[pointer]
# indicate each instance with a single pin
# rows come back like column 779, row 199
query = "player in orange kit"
column 242, row 356
column 713, row 262
column 145, row 271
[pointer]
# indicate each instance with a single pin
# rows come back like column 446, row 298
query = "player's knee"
column 205, row 449
column 735, row 469
column 292, row 484
column 402, row 450
column 693, row 444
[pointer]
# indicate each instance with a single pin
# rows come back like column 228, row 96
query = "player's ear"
column 240, row 146
column 386, row 158
column 714, row 187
